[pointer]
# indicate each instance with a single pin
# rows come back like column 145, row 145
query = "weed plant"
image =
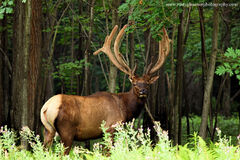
column 128, row 144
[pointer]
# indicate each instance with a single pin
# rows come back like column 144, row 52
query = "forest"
column 47, row 46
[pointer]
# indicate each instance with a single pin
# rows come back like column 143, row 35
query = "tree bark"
column 171, row 87
column 162, row 108
column 186, row 107
column 179, row 81
column 26, row 63
column 1, row 81
column 203, row 55
column 153, row 93
column 80, row 54
column 113, row 69
column 210, row 76
column 87, row 51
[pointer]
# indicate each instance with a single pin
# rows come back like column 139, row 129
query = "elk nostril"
column 143, row 91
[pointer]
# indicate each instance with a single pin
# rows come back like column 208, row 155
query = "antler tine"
column 148, row 68
column 107, row 42
column 164, row 46
column 134, row 69
column 107, row 50
column 117, row 53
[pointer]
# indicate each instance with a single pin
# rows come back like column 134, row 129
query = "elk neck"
column 133, row 104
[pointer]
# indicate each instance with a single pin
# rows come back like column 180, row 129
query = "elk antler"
column 164, row 47
column 118, row 59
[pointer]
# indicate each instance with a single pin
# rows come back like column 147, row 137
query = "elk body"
column 80, row 117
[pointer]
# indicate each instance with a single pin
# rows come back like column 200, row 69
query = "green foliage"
column 129, row 143
column 6, row 8
column 228, row 126
column 230, row 63
column 67, row 72
column 68, row 69
column 7, row 141
column 150, row 14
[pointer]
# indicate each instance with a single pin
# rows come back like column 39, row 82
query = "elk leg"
column 67, row 141
column 48, row 138
column 66, row 131
column 110, row 130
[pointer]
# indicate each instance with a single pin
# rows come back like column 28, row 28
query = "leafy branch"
column 230, row 63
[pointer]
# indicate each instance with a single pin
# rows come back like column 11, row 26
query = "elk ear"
column 131, row 78
column 153, row 79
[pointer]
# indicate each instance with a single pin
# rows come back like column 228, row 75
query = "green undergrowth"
column 129, row 143
column 228, row 125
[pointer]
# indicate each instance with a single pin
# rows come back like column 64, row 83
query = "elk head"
column 140, row 84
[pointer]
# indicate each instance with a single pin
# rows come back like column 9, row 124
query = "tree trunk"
column 210, row 76
column 226, row 43
column 154, row 87
column 73, row 56
column 26, row 63
column 204, row 57
column 86, row 57
column 161, row 108
column 87, row 51
column 171, row 87
column 80, row 54
column 186, row 106
column 153, row 96
column 179, row 82
column 2, row 117
column 113, row 69
column 226, row 97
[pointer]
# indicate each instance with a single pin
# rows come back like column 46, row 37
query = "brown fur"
column 80, row 117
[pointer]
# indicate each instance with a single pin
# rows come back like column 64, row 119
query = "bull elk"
column 79, row 117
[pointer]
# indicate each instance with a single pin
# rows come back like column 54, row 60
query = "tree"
column 203, row 49
column 179, row 81
column 88, row 47
column 226, row 39
column 27, row 44
column 210, row 76
column 1, row 89
column 113, row 69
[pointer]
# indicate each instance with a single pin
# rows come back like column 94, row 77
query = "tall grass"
column 129, row 144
